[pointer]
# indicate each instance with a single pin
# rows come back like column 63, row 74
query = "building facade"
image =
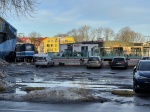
column 58, row 44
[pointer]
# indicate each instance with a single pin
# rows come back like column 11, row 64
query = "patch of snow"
column 3, row 62
column 61, row 94
column 2, row 74
column 57, row 95
column 3, row 83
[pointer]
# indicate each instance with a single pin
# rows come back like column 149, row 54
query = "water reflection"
column 19, row 91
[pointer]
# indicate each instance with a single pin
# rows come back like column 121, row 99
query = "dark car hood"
column 144, row 73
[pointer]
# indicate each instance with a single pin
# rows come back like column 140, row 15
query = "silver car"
column 44, row 61
column 94, row 61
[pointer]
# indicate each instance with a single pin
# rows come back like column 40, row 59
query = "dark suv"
column 145, row 58
column 141, row 76
column 119, row 62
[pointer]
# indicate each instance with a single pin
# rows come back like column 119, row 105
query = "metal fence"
column 112, row 54
column 103, row 55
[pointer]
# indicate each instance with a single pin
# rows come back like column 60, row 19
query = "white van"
column 43, row 60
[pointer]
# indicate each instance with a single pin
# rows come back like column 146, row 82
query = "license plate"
column 118, row 63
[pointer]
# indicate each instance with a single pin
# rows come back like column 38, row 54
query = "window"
column 119, row 59
column 144, row 66
column 29, row 47
column 2, row 37
column 93, row 59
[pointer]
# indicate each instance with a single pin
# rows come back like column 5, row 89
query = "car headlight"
column 137, row 76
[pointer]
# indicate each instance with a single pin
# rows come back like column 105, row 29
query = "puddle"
column 19, row 91
column 37, row 79
column 19, row 73
column 72, row 84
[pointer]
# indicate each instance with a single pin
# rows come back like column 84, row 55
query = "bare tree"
column 18, row 7
column 126, row 35
column 96, row 33
column 84, row 32
column 139, row 38
column 99, row 32
column 74, row 33
column 61, row 35
column 33, row 35
column 108, row 33
column 93, row 34
column 81, row 34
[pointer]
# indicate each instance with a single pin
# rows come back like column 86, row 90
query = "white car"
column 44, row 61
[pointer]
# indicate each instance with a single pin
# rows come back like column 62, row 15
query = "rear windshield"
column 40, row 58
column 144, row 66
column 93, row 59
column 146, row 58
column 118, row 59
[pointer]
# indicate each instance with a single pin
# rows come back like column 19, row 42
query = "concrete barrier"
column 69, row 61
column 76, row 61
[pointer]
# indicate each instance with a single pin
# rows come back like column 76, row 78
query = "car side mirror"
column 134, row 69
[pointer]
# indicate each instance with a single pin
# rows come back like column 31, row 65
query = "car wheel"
column 47, row 65
column 136, row 90
column 112, row 67
column 52, row 64
column 36, row 66
column 126, row 68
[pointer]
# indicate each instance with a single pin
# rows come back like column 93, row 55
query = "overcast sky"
column 60, row 16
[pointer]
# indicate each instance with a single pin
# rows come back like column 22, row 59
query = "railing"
column 114, row 54
column 104, row 55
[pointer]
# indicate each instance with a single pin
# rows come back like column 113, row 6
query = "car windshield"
column 93, row 59
column 118, row 59
column 144, row 66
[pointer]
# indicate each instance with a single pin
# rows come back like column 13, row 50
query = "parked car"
column 44, row 60
column 145, row 58
column 141, row 76
column 94, row 61
column 119, row 62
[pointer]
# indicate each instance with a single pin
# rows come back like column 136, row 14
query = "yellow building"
column 51, row 44
column 66, row 40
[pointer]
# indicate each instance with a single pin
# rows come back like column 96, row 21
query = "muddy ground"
column 70, row 84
